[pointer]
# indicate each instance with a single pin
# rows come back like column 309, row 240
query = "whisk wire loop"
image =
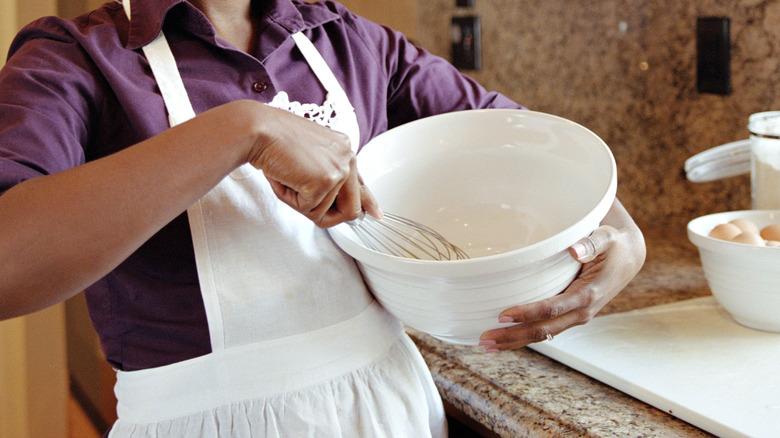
column 403, row 237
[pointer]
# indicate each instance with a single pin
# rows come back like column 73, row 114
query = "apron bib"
column 299, row 346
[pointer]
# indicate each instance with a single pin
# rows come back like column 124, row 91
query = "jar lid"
column 765, row 124
column 724, row 161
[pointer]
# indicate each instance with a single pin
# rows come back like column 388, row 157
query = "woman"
column 153, row 154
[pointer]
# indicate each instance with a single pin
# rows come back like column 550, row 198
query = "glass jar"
column 765, row 160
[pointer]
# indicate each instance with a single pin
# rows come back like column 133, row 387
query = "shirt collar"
column 281, row 19
column 147, row 19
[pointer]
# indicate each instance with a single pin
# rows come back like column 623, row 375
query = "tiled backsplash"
column 626, row 69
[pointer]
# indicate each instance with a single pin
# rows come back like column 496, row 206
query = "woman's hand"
column 311, row 168
column 611, row 257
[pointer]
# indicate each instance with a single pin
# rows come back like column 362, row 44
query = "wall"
column 33, row 375
column 72, row 8
column 401, row 15
column 627, row 70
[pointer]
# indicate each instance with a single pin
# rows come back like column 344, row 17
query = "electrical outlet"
column 466, row 43
column 713, row 55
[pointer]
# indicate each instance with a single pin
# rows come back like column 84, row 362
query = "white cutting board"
column 689, row 359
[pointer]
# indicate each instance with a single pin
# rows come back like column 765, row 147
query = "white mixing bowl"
column 744, row 279
column 513, row 188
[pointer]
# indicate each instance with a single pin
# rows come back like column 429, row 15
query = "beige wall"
column 33, row 376
column 33, row 371
column 72, row 8
column 401, row 15
column 8, row 26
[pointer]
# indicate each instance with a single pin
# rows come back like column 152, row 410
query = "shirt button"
column 259, row 86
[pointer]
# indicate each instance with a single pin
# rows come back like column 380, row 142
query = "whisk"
column 402, row 237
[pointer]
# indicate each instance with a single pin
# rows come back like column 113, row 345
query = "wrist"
column 253, row 128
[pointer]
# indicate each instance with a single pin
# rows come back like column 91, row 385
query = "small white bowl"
column 513, row 188
column 744, row 279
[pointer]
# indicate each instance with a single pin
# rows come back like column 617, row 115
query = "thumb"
column 588, row 248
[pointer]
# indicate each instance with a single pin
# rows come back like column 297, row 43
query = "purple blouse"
column 77, row 90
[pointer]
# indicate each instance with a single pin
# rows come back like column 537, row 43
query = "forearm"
column 62, row 232
column 618, row 217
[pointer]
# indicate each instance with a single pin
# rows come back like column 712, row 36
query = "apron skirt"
column 291, row 387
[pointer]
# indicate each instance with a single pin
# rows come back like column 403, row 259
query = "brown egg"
column 725, row 232
column 745, row 225
column 773, row 243
column 750, row 238
column 771, row 232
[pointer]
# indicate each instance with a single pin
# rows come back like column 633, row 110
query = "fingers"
column 343, row 203
column 536, row 321
column 527, row 333
column 368, row 202
column 310, row 167
column 347, row 205
column 350, row 203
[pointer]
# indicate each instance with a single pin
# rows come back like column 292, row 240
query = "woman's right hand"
column 311, row 168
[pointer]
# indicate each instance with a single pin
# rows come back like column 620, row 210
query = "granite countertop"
column 523, row 393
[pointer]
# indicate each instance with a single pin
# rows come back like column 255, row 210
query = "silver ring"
column 591, row 245
column 549, row 337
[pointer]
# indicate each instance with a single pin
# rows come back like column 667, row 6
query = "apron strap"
column 331, row 84
column 166, row 73
column 319, row 66
column 126, row 5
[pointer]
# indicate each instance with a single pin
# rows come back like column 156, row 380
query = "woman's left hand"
column 611, row 256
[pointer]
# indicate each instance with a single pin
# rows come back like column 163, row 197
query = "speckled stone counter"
column 523, row 393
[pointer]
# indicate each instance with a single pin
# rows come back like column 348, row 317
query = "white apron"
column 299, row 346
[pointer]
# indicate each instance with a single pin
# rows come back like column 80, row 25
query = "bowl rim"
column 699, row 228
column 509, row 260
